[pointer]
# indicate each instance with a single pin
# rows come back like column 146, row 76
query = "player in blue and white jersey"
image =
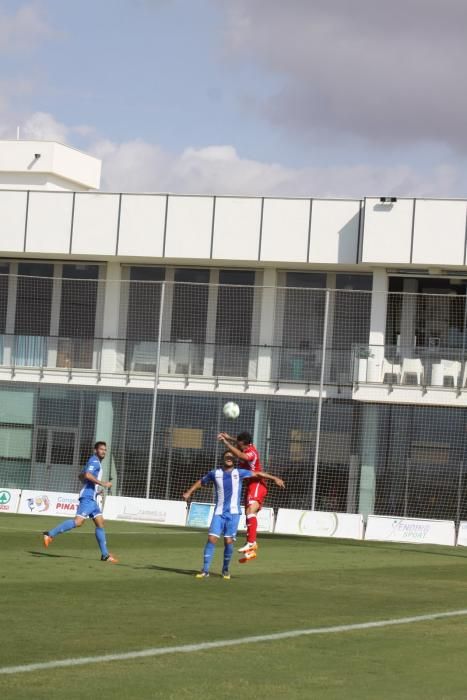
column 88, row 507
column 227, row 482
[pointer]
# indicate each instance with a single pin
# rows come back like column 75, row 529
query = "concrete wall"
column 184, row 227
column 415, row 231
column 250, row 229
column 56, row 167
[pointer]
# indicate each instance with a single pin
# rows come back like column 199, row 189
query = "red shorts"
column 255, row 493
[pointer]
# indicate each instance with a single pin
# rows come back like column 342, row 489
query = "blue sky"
column 255, row 96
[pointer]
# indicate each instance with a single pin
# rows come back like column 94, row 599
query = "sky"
column 319, row 98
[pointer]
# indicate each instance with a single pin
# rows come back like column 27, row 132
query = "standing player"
column 256, row 490
column 88, row 507
column 227, row 482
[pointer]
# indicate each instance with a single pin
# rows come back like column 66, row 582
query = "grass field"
column 64, row 603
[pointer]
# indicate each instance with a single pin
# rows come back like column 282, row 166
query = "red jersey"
column 251, row 461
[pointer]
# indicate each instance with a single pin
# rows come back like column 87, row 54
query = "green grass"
column 65, row 603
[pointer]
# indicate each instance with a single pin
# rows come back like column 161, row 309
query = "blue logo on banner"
column 199, row 515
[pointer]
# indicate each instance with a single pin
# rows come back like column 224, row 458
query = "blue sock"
column 100, row 537
column 228, row 551
column 208, row 554
column 63, row 527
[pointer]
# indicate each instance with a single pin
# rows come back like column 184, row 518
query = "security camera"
column 37, row 155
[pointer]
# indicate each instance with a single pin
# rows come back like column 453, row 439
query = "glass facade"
column 400, row 460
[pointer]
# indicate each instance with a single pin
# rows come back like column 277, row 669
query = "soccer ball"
column 231, row 410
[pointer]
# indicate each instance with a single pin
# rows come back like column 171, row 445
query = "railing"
column 36, row 351
column 434, row 367
column 185, row 358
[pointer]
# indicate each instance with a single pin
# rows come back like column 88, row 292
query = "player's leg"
column 215, row 531
column 100, row 536
column 65, row 526
column 230, row 534
column 228, row 552
column 255, row 496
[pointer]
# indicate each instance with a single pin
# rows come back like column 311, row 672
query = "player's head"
column 229, row 459
column 244, row 439
column 100, row 448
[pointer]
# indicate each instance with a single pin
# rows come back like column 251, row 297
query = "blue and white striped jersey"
column 94, row 467
column 228, row 487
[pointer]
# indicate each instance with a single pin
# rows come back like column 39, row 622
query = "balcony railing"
column 434, row 367
column 185, row 358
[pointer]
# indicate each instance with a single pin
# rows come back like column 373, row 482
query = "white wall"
column 439, row 232
column 334, row 231
column 237, row 223
column 142, row 225
column 285, row 230
column 51, row 213
column 387, row 231
column 12, row 220
column 70, row 168
column 95, row 224
column 189, row 227
column 272, row 230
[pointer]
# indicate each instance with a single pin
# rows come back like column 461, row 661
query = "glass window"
column 79, row 300
column 4, row 271
column 144, row 303
column 234, row 322
column 303, row 304
column 429, row 313
column 351, row 326
column 363, row 282
column 190, row 305
column 34, row 299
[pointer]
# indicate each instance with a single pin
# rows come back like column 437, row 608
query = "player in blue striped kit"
column 227, row 482
column 88, row 506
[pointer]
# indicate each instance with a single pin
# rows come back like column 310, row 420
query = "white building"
column 346, row 313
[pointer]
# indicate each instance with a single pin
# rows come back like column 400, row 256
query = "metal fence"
column 335, row 452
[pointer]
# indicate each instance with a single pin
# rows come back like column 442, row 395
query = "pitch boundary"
column 206, row 646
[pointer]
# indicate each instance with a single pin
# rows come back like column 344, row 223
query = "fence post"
column 320, row 400
column 154, row 394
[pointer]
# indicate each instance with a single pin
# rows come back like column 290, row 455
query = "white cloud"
column 40, row 126
column 139, row 166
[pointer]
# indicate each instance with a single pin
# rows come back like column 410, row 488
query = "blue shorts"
column 88, row 508
column 224, row 525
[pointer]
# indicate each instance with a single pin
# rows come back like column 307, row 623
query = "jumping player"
column 227, row 482
column 256, row 490
column 88, row 507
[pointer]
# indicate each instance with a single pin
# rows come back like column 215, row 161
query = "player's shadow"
column 174, row 570
column 52, row 556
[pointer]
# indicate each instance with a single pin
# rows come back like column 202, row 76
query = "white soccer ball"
column 231, row 410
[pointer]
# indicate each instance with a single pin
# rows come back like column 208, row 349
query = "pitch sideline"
column 206, row 646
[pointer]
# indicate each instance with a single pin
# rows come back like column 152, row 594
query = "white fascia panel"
column 49, row 222
column 189, row 227
column 95, row 224
column 13, row 207
column 237, row 223
column 142, row 223
column 334, row 231
column 439, row 232
column 285, row 229
column 387, row 231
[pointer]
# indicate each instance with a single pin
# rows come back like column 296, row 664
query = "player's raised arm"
column 270, row 477
column 194, row 487
column 227, row 440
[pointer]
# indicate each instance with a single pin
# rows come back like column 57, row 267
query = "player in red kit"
column 256, row 490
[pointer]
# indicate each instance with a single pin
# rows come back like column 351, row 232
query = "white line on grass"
column 205, row 646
